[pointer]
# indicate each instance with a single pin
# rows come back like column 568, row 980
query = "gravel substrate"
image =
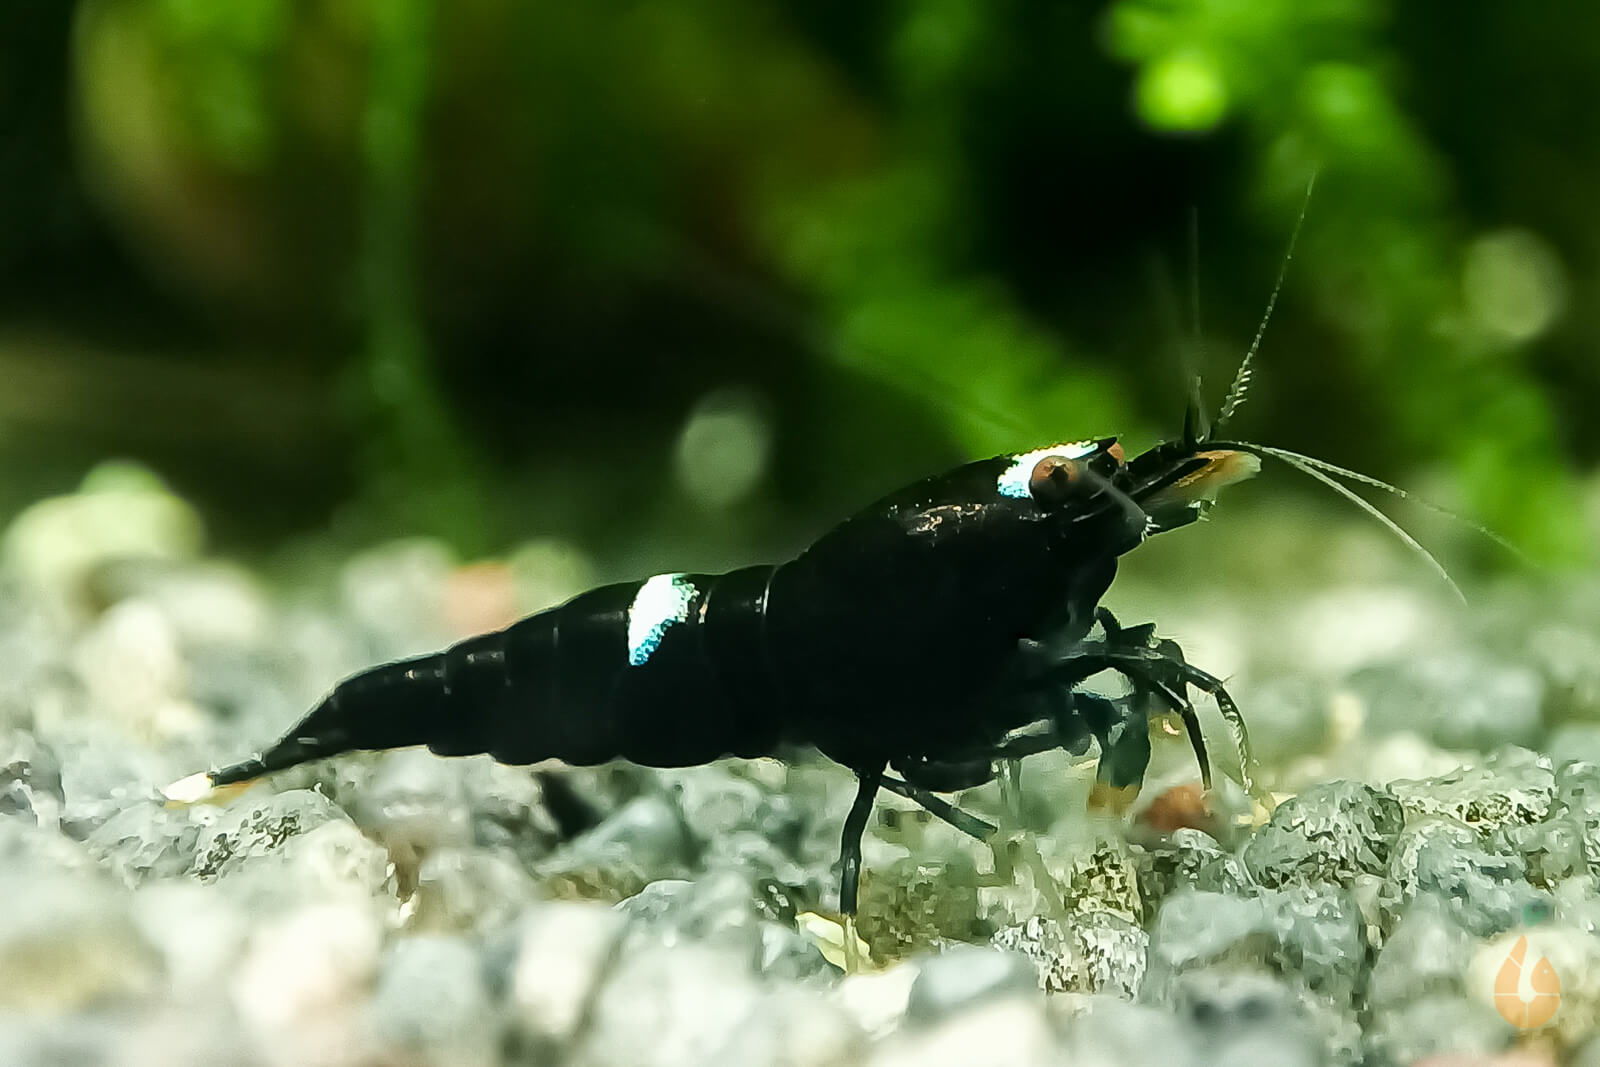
column 404, row 909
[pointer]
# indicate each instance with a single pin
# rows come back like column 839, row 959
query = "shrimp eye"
column 1055, row 480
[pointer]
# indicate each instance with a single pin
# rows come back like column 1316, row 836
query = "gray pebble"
column 1513, row 786
column 1461, row 699
column 964, row 975
column 469, row 890
column 1084, row 952
column 253, row 829
column 1321, row 940
column 723, row 909
column 149, row 840
column 1004, row 1032
column 292, row 850
column 1575, row 741
column 1289, row 717
column 1578, row 793
column 1437, row 1024
column 1569, row 658
column 715, row 800
column 27, row 848
column 79, row 1040
column 557, row 955
column 1188, row 859
column 1313, row 935
column 101, row 775
column 431, row 1005
column 750, row 853
column 1107, row 1031
column 69, row 942
column 187, row 1036
column 1427, row 953
column 304, row 981
column 508, row 811
column 668, row 1007
column 644, row 841
column 30, row 779
column 1240, row 1018
column 415, row 804
column 201, row 935
column 1486, row 891
column 1099, row 875
column 1330, row 833
column 792, row 1028
column 1551, row 851
column 1578, row 902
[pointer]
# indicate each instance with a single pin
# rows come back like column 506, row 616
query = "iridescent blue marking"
column 660, row 603
column 1014, row 480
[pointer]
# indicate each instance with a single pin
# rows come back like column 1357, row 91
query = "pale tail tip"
column 190, row 790
column 198, row 789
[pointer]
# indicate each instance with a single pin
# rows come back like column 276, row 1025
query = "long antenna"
column 1367, row 479
column 1194, row 275
column 1187, row 345
column 1310, row 469
column 1241, row 378
column 1196, row 426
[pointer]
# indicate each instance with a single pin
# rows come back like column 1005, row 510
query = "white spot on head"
column 1014, row 479
column 660, row 602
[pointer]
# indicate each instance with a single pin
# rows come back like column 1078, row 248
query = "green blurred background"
column 685, row 282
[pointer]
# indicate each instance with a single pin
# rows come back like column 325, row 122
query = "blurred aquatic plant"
column 1200, row 61
column 484, row 215
column 901, row 312
column 227, row 52
column 888, row 253
column 423, row 468
column 1384, row 256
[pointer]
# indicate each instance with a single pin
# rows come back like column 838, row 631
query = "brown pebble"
column 1181, row 807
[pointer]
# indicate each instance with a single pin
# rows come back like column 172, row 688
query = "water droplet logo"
column 1526, row 1006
